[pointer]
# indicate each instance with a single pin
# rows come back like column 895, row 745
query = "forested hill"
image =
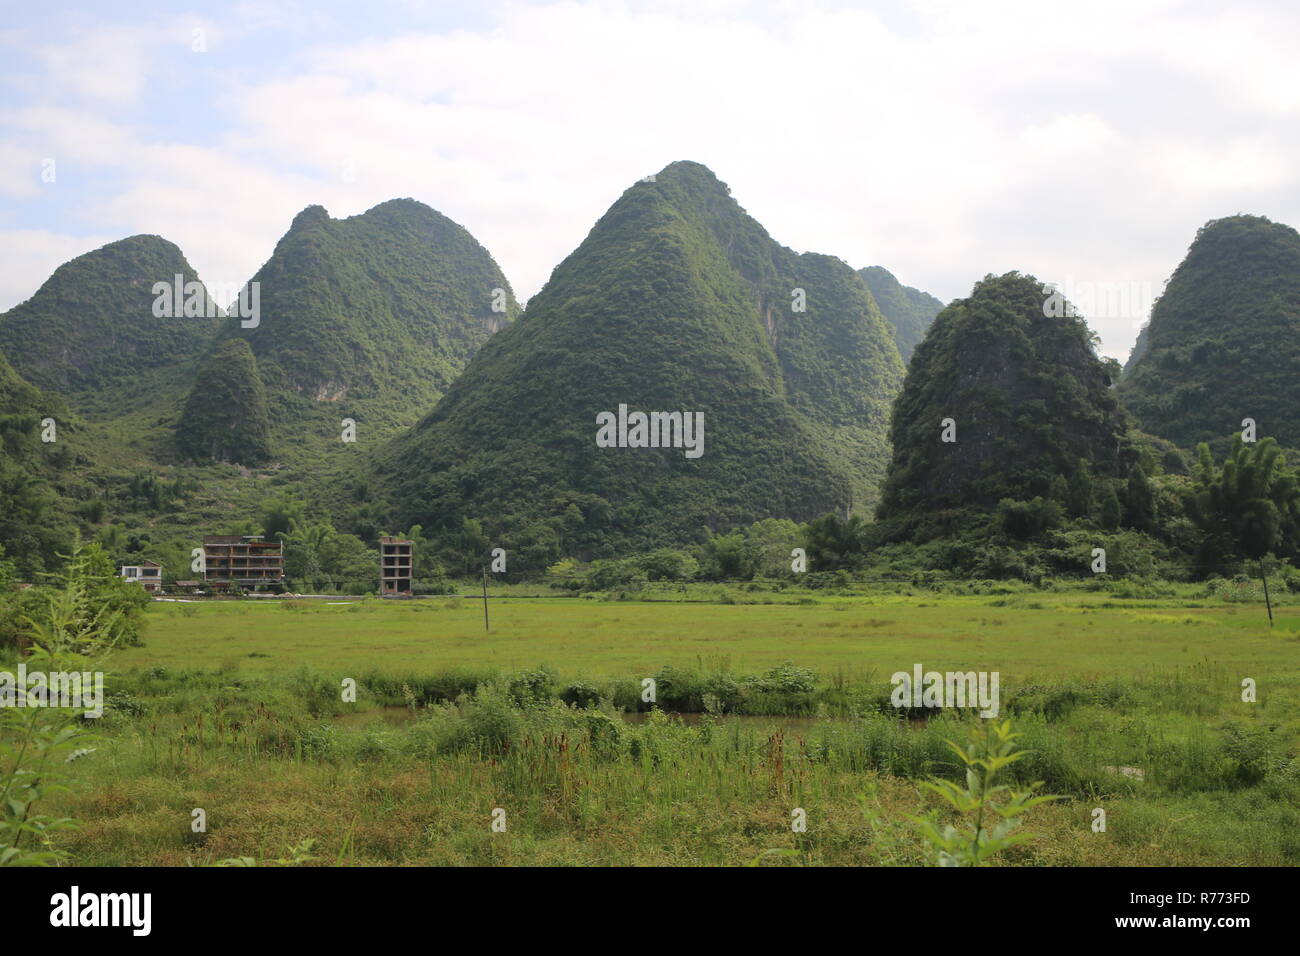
column 18, row 397
column 92, row 333
column 389, row 304
column 910, row 311
column 33, row 529
column 676, row 301
column 1223, row 343
column 1026, row 400
column 225, row 416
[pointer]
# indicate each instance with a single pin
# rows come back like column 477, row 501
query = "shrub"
column 530, row 687
column 581, row 694
column 1028, row 519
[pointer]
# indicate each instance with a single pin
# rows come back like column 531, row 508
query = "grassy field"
column 1030, row 635
column 1132, row 705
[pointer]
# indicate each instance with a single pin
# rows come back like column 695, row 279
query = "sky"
column 1082, row 143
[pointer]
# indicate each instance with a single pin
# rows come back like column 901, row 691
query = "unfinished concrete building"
column 395, row 566
column 245, row 561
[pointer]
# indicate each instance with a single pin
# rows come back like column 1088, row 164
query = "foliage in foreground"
column 70, row 628
column 279, row 760
column 990, row 750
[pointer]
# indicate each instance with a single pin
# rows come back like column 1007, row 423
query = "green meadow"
column 769, row 703
column 1024, row 634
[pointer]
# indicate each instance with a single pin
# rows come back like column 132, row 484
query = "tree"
column 1111, row 512
column 1079, row 497
column 1139, row 503
column 728, row 557
column 772, row 540
column 1252, row 502
column 473, row 545
column 1027, row 519
column 665, row 564
column 8, row 573
column 33, row 528
column 280, row 515
column 318, row 557
column 86, row 606
column 303, row 558
column 834, row 543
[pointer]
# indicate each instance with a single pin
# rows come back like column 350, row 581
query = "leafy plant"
column 299, row 854
column 990, row 750
column 37, row 742
column 34, row 746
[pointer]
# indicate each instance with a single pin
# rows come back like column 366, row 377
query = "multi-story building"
column 147, row 574
column 395, row 566
column 247, row 561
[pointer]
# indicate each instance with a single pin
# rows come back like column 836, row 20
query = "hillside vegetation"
column 90, row 332
column 225, row 417
column 676, row 301
column 910, row 311
column 1028, row 398
column 1223, row 343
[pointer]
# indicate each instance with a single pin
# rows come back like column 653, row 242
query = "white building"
column 147, row 574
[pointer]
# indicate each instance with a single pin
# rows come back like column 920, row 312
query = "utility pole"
column 1264, row 577
column 485, row 609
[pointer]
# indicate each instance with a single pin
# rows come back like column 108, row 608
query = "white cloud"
column 107, row 64
column 20, row 170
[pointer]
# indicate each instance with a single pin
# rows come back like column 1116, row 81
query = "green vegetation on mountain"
column 1029, row 401
column 33, row 524
column 1223, row 343
column 225, row 417
column 366, row 318
column 22, row 406
column 1139, row 348
column 377, row 312
column 910, row 311
column 90, row 332
column 676, row 301
column 177, row 426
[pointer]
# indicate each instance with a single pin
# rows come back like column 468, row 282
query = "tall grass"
column 412, row 773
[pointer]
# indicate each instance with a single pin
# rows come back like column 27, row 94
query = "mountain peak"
column 677, row 303
column 92, row 323
column 409, row 213
column 379, row 310
column 696, row 179
column 404, row 205
column 1002, row 395
column 311, row 216
column 1223, row 342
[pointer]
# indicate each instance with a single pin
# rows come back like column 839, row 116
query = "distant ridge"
column 910, row 311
